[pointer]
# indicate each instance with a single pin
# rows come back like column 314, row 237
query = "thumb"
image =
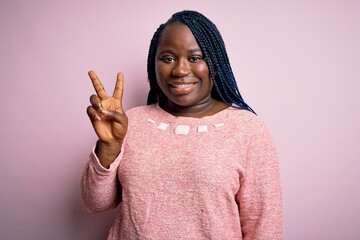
column 114, row 116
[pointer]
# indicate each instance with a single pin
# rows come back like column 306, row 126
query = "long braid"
column 155, row 92
column 213, row 47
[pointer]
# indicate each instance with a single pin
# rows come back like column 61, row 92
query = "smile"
column 183, row 85
column 181, row 88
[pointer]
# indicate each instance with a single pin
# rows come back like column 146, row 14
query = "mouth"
column 181, row 88
column 181, row 85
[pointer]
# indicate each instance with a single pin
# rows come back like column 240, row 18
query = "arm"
column 100, row 188
column 259, row 197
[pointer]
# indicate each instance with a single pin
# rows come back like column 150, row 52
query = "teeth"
column 182, row 85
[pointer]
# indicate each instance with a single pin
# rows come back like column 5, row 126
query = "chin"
column 182, row 102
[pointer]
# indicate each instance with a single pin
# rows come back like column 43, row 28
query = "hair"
column 208, row 37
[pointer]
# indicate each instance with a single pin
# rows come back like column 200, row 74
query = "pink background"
column 297, row 64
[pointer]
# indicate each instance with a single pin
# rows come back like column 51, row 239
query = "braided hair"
column 212, row 45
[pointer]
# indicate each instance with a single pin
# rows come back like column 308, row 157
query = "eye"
column 167, row 59
column 195, row 59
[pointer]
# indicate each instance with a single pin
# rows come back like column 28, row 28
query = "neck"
column 197, row 111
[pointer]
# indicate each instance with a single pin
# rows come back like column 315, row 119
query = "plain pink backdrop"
column 296, row 62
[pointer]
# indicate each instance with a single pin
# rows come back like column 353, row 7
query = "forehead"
column 177, row 35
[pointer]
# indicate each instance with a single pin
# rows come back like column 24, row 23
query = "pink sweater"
column 215, row 177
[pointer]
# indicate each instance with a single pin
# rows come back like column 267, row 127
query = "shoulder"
column 140, row 109
column 137, row 109
column 142, row 112
column 245, row 123
column 242, row 117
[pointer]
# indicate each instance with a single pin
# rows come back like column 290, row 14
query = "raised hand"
column 108, row 119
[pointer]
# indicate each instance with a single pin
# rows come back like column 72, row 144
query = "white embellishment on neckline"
column 202, row 128
column 219, row 125
column 150, row 120
column 182, row 129
column 163, row 126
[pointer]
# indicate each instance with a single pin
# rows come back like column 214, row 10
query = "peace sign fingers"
column 119, row 87
column 99, row 88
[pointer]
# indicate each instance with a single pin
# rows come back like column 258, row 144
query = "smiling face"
column 181, row 71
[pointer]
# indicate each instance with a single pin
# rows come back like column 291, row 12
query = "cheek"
column 203, row 70
column 160, row 76
column 204, row 73
column 160, row 71
column 156, row 70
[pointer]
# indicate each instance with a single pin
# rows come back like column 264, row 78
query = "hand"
column 106, row 114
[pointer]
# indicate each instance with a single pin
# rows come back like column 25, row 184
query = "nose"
column 181, row 68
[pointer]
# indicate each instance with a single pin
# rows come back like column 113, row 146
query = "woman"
column 196, row 162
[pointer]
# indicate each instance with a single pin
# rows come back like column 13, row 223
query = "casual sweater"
column 215, row 177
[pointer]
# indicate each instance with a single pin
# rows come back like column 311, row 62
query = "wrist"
column 113, row 146
column 107, row 152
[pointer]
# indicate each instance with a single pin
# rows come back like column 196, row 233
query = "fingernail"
column 97, row 118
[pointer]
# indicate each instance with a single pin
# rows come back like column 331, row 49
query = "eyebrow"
column 192, row 50
column 195, row 50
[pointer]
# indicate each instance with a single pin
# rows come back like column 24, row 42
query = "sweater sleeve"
column 100, row 187
column 259, row 198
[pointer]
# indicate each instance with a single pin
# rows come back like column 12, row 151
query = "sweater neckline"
column 167, row 115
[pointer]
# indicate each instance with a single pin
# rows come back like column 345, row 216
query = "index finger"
column 99, row 88
column 119, row 86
